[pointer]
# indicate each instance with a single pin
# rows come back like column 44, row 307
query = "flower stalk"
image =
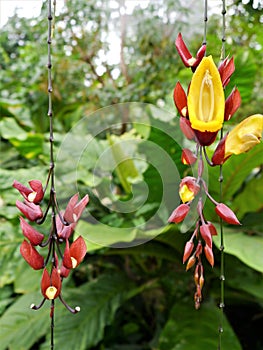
column 62, row 255
column 203, row 111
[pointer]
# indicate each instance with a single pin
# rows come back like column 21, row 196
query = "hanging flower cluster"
column 62, row 227
column 203, row 111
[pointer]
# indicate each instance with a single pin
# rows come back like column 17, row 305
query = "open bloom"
column 241, row 139
column 244, row 136
column 187, row 58
column 206, row 101
column 74, row 254
column 31, row 211
column 188, row 189
column 33, row 195
column 74, row 209
column 51, row 284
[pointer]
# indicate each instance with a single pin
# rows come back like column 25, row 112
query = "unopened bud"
column 179, row 213
column 226, row 214
column 190, row 263
column 188, row 250
column 209, row 255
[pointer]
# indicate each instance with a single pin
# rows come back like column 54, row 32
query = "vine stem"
column 205, row 22
column 221, row 179
column 51, row 176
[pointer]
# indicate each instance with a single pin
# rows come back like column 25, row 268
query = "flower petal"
column 244, row 136
column 206, row 99
column 179, row 213
column 30, row 233
column 31, row 255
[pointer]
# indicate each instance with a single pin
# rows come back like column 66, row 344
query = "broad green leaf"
column 10, row 129
column 30, row 147
column 124, row 165
column 98, row 236
column 235, row 171
column 9, row 251
column 240, row 276
column 21, row 327
column 189, row 329
column 250, row 199
column 247, row 248
column 245, row 82
column 26, row 279
column 99, row 300
column 154, row 249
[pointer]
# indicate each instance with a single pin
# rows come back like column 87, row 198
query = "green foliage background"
column 135, row 297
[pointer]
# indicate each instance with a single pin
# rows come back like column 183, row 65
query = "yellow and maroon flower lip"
column 244, row 136
column 241, row 139
column 206, row 100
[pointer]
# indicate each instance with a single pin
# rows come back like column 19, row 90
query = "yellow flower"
column 244, row 136
column 188, row 188
column 206, row 100
column 186, row 194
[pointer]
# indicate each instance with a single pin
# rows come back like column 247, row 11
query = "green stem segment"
column 51, row 175
column 205, row 22
column 221, row 178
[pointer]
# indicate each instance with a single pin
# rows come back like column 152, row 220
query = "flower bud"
column 180, row 99
column 209, row 255
column 186, row 128
column 218, row 157
column 199, row 249
column 232, row 104
column 226, row 69
column 30, row 233
column 188, row 250
column 188, row 158
column 226, row 214
column 212, row 228
column 206, row 234
column 31, row 255
column 179, row 213
column 31, row 211
column 190, row 263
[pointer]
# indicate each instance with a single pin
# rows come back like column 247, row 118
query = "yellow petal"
column 51, row 292
column 244, row 136
column 206, row 100
column 186, row 194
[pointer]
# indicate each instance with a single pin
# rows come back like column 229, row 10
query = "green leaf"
column 189, row 329
column 154, row 249
column 99, row 300
column 10, row 129
column 98, row 236
column 21, row 327
column 245, row 247
column 235, row 171
column 250, row 199
column 241, row 277
column 30, row 147
column 125, row 168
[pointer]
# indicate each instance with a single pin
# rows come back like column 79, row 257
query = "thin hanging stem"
column 221, row 179
column 205, row 22
column 52, row 164
column 223, row 49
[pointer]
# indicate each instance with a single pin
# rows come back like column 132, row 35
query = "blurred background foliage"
column 138, row 297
